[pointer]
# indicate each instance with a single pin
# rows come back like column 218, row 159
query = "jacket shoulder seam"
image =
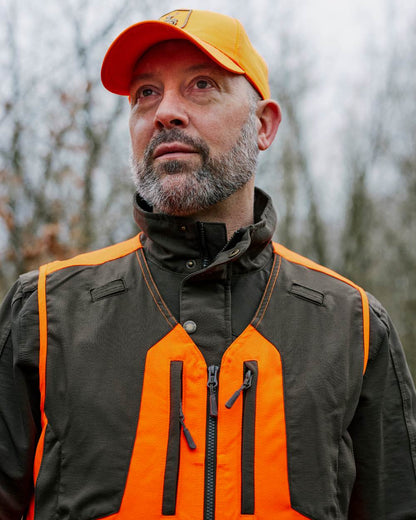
column 378, row 310
column 98, row 257
column 29, row 281
column 296, row 258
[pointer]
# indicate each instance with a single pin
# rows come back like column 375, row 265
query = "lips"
column 170, row 149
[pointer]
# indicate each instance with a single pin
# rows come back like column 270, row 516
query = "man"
column 199, row 370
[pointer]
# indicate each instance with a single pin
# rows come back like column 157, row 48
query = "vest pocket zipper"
column 176, row 422
column 186, row 432
column 248, row 389
column 248, row 381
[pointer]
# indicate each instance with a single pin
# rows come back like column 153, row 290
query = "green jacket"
column 176, row 374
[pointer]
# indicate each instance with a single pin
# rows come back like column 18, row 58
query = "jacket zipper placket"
column 210, row 458
column 212, row 414
column 205, row 259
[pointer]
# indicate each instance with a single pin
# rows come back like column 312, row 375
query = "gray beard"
column 195, row 189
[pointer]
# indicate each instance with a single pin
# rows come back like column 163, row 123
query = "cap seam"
column 229, row 57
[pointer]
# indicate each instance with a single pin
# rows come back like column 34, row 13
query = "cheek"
column 223, row 132
column 140, row 133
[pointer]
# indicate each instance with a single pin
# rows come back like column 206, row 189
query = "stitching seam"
column 151, row 292
column 269, row 295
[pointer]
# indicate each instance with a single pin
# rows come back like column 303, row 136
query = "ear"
column 269, row 116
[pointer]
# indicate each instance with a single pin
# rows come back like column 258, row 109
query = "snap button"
column 190, row 264
column 182, row 228
column 232, row 253
column 189, row 326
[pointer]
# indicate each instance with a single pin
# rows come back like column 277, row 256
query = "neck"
column 237, row 211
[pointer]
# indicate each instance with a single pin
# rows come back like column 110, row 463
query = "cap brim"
column 122, row 56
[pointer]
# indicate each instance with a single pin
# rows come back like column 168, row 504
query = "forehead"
column 176, row 54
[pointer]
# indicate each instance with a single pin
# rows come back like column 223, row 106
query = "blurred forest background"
column 342, row 172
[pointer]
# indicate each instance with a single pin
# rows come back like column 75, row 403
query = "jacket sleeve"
column 383, row 430
column 19, row 396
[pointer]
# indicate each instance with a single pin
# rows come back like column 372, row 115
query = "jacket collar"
column 184, row 245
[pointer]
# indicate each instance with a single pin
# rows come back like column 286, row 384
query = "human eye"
column 203, row 84
column 144, row 92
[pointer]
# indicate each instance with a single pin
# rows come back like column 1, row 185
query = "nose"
column 171, row 111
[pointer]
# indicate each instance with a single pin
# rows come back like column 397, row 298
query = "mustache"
column 177, row 136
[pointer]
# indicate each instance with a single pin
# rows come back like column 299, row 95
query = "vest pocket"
column 170, row 485
column 248, row 389
column 247, row 441
column 176, row 422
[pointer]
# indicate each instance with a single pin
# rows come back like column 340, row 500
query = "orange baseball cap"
column 221, row 37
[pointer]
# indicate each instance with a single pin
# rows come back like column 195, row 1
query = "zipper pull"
column 248, row 379
column 212, row 387
column 186, row 432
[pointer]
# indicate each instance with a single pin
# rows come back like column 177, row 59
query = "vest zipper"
column 210, row 455
column 248, row 389
column 248, row 379
column 186, row 432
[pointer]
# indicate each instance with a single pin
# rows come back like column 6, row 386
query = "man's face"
column 193, row 129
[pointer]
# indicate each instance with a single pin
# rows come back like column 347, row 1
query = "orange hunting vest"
column 166, row 476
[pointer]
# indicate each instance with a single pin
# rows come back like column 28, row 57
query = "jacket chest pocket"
column 176, row 427
column 247, row 392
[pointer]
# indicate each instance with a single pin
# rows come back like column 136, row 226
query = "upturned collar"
column 181, row 244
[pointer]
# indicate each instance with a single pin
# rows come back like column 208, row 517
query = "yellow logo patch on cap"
column 178, row 18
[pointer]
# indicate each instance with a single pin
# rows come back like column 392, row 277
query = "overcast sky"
column 337, row 36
